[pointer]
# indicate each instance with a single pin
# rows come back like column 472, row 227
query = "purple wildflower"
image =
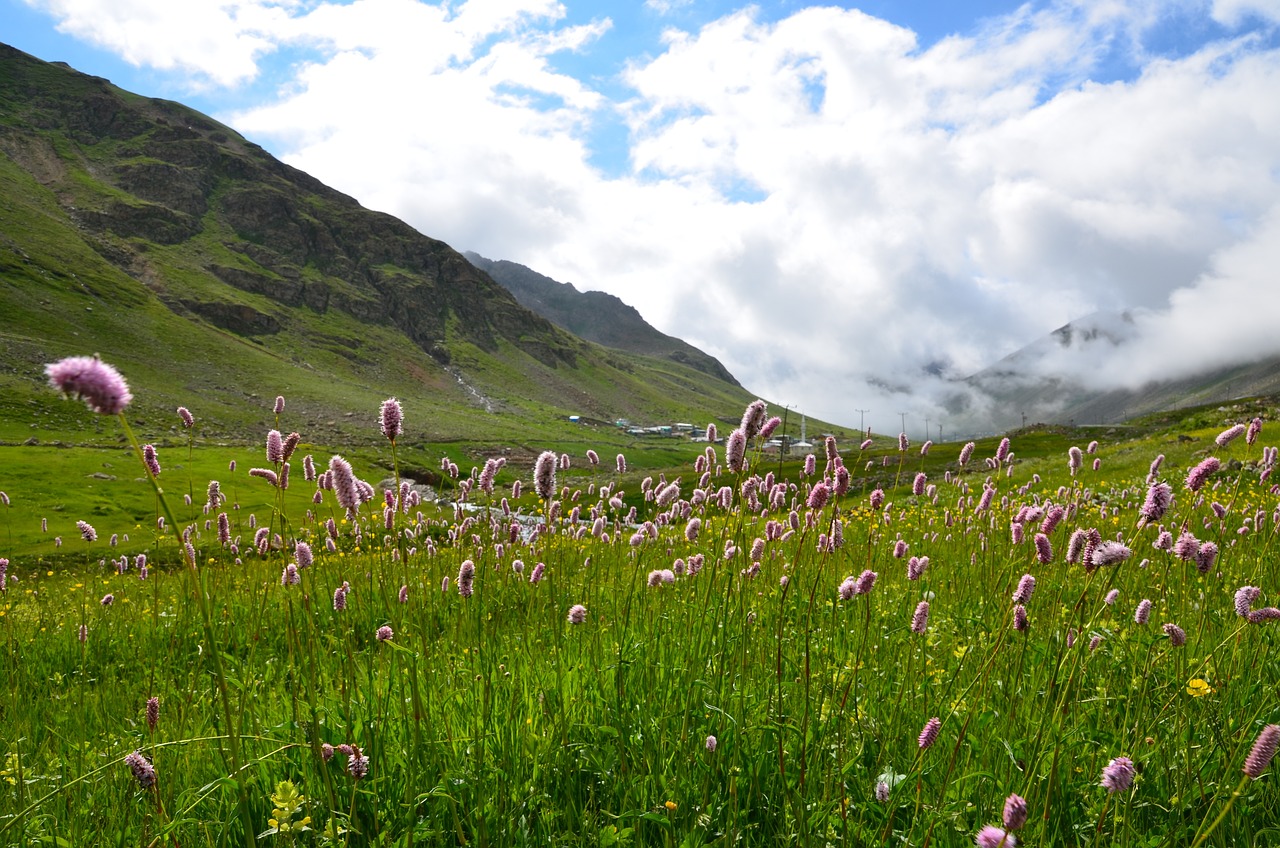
column 966, row 453
column 390, row 418
column 1186, row 547
column 818, row 495
column 340, row 598
column 466, row 576
column 1264, row 614
column 1159, row 497
column 1255, row 429
column 275, row 447
column 1020, row 621
column 1117, row 776
column 1052, row 516
column 143, row 771
column 107, row 599
column 1205, row 557
column 993, row 837
column 903, row 442
column 1264, row 749
column 1143, row 612
column 344, row 483
column 1015, row 812
column 899, row 549
column 929, row 734
column 918, row 484
column 357, row 764
column 865, row 582
column 291, row 577
column 735, row 450
column 1075, row 459
column 188, row 421
column 150, row 460
column 1245, row 598
column 1044, row 549
column 1229, row 435
column 1110, row 553
column 87, row 531
column 403, row 597
column 90, row 379
column 920, row 620
column 769, row 426
column 279, row 404
column 577, row 614
column 753, row 419
column 882, row 791
column 385, row 633
column 1197, row 476
column 302, row 553
column 711, row 744
column 1177, row 636
column 538, row 569
column 1002, row 451
column 544, row 475
column 266, row 474
column 1026, row 586
column 153, row 713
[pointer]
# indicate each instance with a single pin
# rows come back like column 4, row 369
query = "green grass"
column 491, row 720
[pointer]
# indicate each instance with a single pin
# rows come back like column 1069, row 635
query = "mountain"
column 216, row 276
column 595, row 316
column 1017, row 385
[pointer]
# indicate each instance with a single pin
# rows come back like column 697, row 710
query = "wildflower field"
column 887, row 644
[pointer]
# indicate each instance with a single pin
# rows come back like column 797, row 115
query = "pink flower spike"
column 90, row 379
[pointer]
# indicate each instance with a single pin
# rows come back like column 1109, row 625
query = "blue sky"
column 851, row 204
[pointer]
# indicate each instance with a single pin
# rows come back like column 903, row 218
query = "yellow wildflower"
column 1197, row 687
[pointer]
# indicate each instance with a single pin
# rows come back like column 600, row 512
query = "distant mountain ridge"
column 1012, row 389
column 595, row 316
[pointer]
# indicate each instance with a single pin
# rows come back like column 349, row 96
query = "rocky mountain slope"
column 595, row 316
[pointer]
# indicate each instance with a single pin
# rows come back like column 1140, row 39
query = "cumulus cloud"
column 849, row 219
column 215, row 40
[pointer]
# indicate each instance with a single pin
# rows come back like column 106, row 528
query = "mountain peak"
column 596, row 316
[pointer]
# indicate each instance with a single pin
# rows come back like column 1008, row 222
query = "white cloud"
column 664, row 7
column 214, row 39
column 1233, row 13
column 844, row 216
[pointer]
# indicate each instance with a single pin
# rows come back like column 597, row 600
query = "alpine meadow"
column 316, row 532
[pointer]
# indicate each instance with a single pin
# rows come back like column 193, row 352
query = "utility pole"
column 926, row 429
column 939, row 431
column 783, row 448
column 1024, row 420
column 904, row 422
column 862, row 420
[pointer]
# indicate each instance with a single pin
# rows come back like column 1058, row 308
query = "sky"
column 852, row 205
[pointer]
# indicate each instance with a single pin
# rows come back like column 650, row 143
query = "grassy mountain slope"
column 216, row 277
